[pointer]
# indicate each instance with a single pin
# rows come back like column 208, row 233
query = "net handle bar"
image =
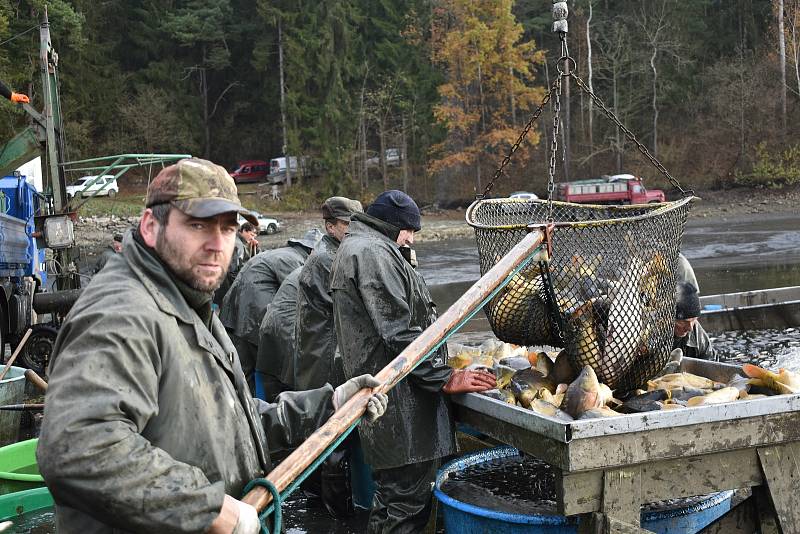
column 662, row 207
column 348, row 414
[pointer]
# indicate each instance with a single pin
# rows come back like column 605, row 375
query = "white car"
column 105, row 185
column 266, row 225
column 524, row 194
column 393, row 158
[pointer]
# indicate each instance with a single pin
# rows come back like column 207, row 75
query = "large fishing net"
column 607, row 295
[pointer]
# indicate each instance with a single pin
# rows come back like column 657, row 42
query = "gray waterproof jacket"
column 276, row 345
column 381, row 304
column 317, row 360
column 148, row 420
column 255, row 287
column 237, row 261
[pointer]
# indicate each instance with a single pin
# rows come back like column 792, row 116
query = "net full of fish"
column 548, row 386
column 605, row 294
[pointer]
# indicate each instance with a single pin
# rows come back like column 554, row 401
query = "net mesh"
column 607, row 295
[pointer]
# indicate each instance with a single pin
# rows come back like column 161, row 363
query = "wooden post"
column 303, row 456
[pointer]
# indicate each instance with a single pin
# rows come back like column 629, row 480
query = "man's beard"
column 171, row 256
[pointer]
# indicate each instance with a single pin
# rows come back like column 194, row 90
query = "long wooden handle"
column 16, row 353
column 294, row 464
column 35, row 379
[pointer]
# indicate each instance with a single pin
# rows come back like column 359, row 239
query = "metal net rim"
column 655, row 211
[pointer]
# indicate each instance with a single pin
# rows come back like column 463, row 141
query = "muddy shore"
column 94, row 233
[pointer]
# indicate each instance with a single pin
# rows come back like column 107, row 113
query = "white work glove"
column 248, row 520
column 377, row 402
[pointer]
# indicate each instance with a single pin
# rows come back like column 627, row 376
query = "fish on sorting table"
column 683, row 394
column 515, row 362
column 678, row 380
column 545, row 408
column 726, row 394
column 649, row 401
column 503, row 374
column 541, row 362
column 500, row 394
column 595, row 413
column 562, row 372
column 585, row 393
column 783, row 382
column 529, row 384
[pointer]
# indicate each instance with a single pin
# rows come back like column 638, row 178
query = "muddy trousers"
column 402, row 501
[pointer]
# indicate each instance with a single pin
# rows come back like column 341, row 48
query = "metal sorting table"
column 606, row 468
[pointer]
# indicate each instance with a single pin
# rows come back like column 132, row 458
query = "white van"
column 279, row 164
column 105, row 185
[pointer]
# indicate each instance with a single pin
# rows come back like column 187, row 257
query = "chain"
column 520, row 139
column 629, row 134
column 551, row 171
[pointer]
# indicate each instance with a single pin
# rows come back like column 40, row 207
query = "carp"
column 783, row 382
column 530, row 384
column 595, row 413
column 584, row 393
column 727, row 394
column 679, row 380
column 545, row 408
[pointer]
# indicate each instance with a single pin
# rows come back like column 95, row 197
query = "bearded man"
column 149, row 424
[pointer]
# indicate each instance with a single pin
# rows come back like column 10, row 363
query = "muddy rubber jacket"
column 148, row 421
column 277, row 342
column 255, row 287
column 317, row 361
column 106, row 255
column 380, row 306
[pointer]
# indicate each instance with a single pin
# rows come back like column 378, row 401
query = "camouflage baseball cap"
column 341, row 208
column 198, row 188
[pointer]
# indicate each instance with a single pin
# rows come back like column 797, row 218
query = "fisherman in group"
column 690, row 336
column 381, row 304
column 238, row 259
column 109, row 252
column 255, row 286
column 316, row 359
column 149, row 424
column 276, row 341
column 248, row 236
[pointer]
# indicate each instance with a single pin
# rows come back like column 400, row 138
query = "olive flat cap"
column 341, row 208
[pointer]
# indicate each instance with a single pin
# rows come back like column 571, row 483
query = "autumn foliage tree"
column 488, row 90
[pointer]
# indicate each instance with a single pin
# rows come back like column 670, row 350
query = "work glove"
column 674, row 363
column 248, row 522
column 377, row 402
column 19, row 98
column 464, row 381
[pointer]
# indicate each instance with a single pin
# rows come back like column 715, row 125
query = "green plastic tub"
column 27, row 508
column 18, row 469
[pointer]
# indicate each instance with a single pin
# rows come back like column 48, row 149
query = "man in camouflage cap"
column 149, row 425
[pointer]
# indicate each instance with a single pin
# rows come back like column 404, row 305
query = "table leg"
column 782, row 476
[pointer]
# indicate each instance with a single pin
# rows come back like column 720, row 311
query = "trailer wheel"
column 36, row 353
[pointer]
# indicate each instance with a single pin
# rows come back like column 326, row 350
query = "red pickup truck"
column 617, row 189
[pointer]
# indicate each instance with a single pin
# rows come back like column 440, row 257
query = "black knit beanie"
column 687, row 301
column 396, row 208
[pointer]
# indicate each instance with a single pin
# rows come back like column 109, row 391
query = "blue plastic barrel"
column 464, row 518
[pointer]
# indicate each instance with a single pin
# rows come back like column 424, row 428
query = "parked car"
column 252, row 170
column 266, row 225
column 524, row 194
column 105, row 185
column 393, row 158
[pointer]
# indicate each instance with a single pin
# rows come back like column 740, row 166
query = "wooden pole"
column 303, row 456
column 16, row 353
column 36, row 380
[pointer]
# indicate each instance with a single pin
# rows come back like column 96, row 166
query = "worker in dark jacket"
column 112, row 250
column 254, row 288
column 276, row 345
column 247, row 236
column 381, row 304
column 316, row 359
column 245, row 248
column 149, row 425
column 690, row 336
